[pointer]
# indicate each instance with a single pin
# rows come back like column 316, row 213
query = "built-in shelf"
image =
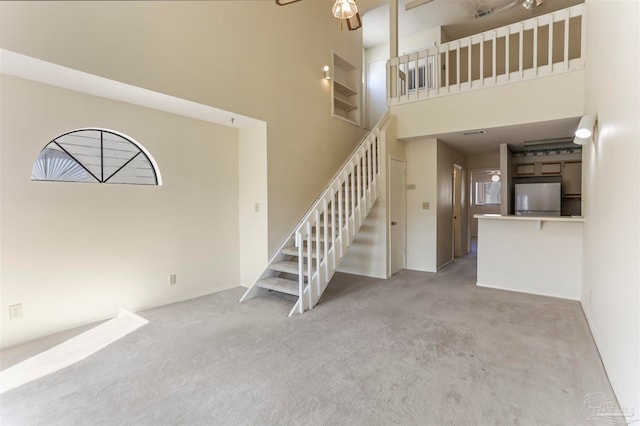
column 340, row 87
column 345, row 91
column 344, row 105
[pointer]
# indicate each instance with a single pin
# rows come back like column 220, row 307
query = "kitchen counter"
column 531, row 254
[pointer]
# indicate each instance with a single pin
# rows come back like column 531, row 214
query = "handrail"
column 483, row 60
column 336, row 217
column 327, row 228
column 286, row 240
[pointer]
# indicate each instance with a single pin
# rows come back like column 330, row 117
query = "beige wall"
column 72, row 253
column 611, row 187
column 422, row 223
column 250, row 57
column 510, row 104
column 253, row 206
column 429, row 231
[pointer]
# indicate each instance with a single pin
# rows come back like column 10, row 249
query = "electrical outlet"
column 172, row 279
column 15, row 311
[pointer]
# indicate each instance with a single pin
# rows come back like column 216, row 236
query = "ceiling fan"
column 345, row 10
column 527, row 4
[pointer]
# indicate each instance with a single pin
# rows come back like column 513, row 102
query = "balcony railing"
column 538, row 47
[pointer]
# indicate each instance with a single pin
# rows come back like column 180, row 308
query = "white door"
column 376, row 91
column 397, row 214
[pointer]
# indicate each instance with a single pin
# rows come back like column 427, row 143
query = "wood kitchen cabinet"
column 527, row 169
column 572, row 179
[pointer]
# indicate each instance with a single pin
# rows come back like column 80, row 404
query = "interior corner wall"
column 202, row 51
column 611, row 188
column 74, row 253
column 253, row 207
column 422, row 204
column 447, row 157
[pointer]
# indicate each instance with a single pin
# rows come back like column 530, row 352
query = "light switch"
column 425, row 206
column 256, row 207
column 411, row 186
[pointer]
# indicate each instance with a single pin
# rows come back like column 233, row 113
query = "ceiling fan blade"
column 507, row 7
column 415, row 3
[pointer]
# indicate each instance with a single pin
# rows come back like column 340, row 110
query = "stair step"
column 293, row 251
column 288, row 267
column 280, row 284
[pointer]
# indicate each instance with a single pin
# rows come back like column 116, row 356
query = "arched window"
column 97, row 156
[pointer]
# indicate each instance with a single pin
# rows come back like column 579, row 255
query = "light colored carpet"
column 418, row 349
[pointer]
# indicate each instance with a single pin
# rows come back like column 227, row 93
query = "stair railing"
column 331, row 224
column 545, row 45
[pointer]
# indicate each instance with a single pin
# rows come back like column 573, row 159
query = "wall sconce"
column 585, row 130
column 327, row 74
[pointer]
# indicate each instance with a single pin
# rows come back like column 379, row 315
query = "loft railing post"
column 507, row 62
column 482, row 60
column 494, row 60
column 520, row 51
column 583, row 33
column 469, row 62
column 458, row 65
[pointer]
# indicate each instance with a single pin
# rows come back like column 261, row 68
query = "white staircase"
column 306, row 261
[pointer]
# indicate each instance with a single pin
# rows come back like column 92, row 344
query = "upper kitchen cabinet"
column 572, row 179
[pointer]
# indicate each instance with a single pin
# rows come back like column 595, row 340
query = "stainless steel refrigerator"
column 538, row 199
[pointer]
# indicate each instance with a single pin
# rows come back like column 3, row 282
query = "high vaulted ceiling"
column 456, row 16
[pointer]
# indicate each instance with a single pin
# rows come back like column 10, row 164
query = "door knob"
column 394, row 223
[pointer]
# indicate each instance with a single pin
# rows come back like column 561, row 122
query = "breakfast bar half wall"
column 537, row 255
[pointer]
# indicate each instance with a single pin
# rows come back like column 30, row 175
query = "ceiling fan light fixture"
column 530, row 4
column 344, row 9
